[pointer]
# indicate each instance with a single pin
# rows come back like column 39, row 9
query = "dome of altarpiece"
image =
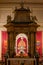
column 22, row 15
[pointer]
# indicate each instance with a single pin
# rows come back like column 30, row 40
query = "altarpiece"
column 21, row 34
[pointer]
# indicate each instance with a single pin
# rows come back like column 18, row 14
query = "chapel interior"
column 21, row 21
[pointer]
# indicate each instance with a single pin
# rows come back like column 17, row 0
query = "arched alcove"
column 21, row 44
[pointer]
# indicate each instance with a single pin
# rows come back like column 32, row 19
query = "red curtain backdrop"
column 4, row 43
column 39, row 42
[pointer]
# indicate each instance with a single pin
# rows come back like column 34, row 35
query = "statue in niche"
column 21, row 46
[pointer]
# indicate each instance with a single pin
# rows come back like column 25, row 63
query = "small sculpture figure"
column 8, row 18
column 37, row 57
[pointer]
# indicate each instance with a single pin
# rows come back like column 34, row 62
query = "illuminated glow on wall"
column 0, row 47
